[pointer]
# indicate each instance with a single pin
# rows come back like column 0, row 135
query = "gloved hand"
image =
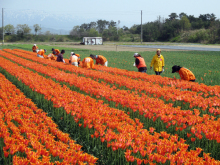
column 163, row 70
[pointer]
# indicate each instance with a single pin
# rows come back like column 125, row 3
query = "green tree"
column 75, row 31
column 92, row 25
column 23, row 29
column 182, row 14
column 101, row 25
column 185, row 24
column 125, row 28
column 36, row 28
column 133, row 29
column 10, row 29
column 173, row 16
column 47, row 33
column 111, row 24
column 85, row 27
column 93, row 33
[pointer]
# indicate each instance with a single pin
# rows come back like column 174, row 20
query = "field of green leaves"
column 204, row 64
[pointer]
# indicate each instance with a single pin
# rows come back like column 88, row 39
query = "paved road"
column 173, row 47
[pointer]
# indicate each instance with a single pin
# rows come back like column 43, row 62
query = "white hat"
column 136, row 54
column 72, row 53
column 34, row 44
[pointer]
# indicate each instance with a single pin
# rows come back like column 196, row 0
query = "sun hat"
column 136, row 54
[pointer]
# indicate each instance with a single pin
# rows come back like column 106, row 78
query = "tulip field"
column 56, row 113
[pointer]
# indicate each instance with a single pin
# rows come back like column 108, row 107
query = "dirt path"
column 111, row 46
column 114, row 46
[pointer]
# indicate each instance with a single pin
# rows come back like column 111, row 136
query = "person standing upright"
column 158, row 63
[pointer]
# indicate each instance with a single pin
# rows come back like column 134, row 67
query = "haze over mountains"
column 55, row 23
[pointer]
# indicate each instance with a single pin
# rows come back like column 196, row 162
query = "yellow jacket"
column 88, row 63
column 158, row 63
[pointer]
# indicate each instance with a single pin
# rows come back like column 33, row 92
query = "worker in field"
column 88, row 63
column 35, row 48
column 99, row 59
column 140, row 63
column 73, row 59
column 41, row 54
column 60, row 57
column 51, row 56
column 185, row 74
column 55, row 52
column 79, row 58
column 158, row 62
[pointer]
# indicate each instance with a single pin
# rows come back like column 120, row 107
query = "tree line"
column 176, row 28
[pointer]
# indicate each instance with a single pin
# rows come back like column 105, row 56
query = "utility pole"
column 141, row 28
column 2, row 27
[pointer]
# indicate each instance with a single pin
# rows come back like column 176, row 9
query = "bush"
column 60, row 39
column 176, row 39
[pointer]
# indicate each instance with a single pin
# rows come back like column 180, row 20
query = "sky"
column 126, row 11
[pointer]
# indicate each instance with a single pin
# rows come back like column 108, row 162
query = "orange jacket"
column 51, row 56
column 88, row 63
column 57, row 52
column 186, row 74
column 78, row 57
column 100, row 60
column 41, row 52
column 34, row 48
column 142, row 62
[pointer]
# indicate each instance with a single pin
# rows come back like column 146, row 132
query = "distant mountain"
column 55, row 23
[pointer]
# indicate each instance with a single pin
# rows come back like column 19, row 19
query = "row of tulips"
column 206, row 125
column 207, row 90
column 195, row 99
column 27, row 130
column 112, row 126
